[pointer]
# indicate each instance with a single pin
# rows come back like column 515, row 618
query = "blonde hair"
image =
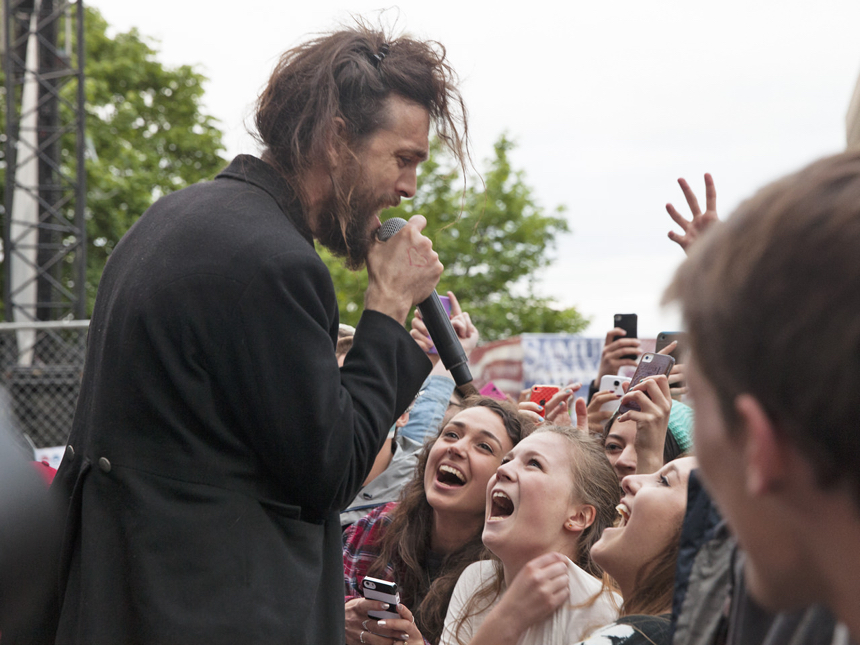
column 594, row 483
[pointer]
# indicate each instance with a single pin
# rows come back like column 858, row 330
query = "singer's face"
column 383, row 171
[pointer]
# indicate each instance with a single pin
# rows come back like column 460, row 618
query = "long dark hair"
column 330, row 93
column 406, row 541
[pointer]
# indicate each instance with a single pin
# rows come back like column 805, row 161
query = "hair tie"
column 377, row 58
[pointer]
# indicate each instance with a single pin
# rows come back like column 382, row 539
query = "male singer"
column 215, row 439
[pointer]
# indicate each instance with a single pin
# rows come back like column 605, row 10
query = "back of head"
column 331, row 92
column 771, row 299
column 594, row 483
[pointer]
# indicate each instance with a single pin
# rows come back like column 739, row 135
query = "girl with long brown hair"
column 640, row 553
column 547, row 504
column 425, row 541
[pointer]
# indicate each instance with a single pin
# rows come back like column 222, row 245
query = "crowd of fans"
column 527, row 524
column 511, row 522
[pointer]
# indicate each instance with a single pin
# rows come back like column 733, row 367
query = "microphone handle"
column 447, row 344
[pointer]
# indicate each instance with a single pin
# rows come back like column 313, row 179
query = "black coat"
column 215, row 438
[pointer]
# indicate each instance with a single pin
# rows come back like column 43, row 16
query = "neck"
column 312, row 189
column 452, row 531
column 514, row 562
column 839, row 567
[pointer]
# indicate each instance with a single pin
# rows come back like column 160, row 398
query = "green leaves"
column 493, row 248
column 148, row 131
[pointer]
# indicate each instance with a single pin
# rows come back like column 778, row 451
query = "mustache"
column 389, row 201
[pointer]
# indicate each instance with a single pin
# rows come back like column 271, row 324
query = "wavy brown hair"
column 331, row 93
column 655, row 582
column 406, row 541
column 594, row 483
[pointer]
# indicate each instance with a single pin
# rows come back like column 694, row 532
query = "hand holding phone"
column 615, row 385
column 650, row 365
column 385, row 591
column 541, row 394
column 627, row 322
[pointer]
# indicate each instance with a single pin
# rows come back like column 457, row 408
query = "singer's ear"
column 336, row 142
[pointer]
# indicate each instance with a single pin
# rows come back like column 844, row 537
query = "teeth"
column 501, row 504
column 453, row 471
column 624, row 512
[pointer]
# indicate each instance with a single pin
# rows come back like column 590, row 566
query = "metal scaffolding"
column 44, row 232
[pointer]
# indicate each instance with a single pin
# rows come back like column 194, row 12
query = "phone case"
column 650, row 365
column 385, row 591
column 493, row 392
column 541, row 394
column 627, row 322
column 666, row 337
column 609, row 382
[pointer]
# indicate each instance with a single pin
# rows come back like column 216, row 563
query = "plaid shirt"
column 361, row 548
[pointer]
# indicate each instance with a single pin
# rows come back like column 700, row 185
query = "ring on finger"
column 364, row 624
column 361, row 637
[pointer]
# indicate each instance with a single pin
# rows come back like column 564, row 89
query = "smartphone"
column 446, row 305
column 666, row 337
column 609, row 382
column 540, row 394
column 493, row 392
column 376, row 589
column 650, row 365
column 628, row 323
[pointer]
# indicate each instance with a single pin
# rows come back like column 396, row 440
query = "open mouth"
column 450, row 476
column 624, row 515
column 501, row 506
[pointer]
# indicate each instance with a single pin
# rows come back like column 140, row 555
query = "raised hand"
column 700, row 222
column 616, row 353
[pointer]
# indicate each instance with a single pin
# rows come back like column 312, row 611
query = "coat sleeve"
column 317, row 427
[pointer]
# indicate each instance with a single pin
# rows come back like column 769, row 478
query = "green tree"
column 146, row 135
column 493, row 250
column 147, row 129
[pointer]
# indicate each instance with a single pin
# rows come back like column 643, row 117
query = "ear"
column 402, row 420
column 765, row 452
column 582, row 517
column 338, row 136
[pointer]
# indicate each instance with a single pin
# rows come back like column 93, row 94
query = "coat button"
column 70, row 452
column 104, row 464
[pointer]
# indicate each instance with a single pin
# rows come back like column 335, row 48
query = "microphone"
column 436, row 319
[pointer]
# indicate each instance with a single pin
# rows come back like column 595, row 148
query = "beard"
column 345, row 223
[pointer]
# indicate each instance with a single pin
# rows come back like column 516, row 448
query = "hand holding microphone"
column 433, row 314
column 402, row 272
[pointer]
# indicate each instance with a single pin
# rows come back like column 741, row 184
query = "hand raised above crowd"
column 557, row 409
column 618, row 351
column 461, row 323
column 700, row 222
column 652, row 420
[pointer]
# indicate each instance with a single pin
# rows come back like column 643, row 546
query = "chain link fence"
column 41, row 364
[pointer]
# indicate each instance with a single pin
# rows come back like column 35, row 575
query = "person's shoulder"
column 379, row 516
column 478, row 573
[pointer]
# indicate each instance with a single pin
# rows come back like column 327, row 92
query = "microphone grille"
column 390, row 227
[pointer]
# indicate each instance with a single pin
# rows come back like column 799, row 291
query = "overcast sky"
column 609, row 103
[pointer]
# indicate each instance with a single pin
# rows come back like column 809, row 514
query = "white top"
column 570, row 623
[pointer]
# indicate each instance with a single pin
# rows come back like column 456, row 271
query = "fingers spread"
column 690, row 196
